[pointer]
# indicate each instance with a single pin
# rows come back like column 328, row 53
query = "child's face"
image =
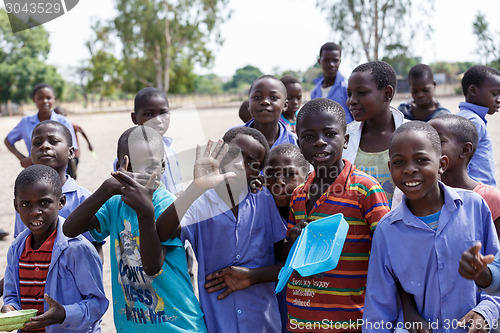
column 245, row 157
column 449, row 143
column 44, row 100
column 488, row 94
column 322, row 139
column 38, row 207
column 364, row 99
column 282, row 177
column 294, row 97
column 50, row 147
column 415, row 166
column 145, row 158
column 266, row 101
column 153, row 113
column 329, row 62
column 422, row 91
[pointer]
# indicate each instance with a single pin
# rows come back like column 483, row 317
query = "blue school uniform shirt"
column 425, row 262
column 75, row 195
column 74, row 279
column 220, row 240
column 337, row 93
column 25, row 127
column 142, row 303
column 285, row 136
column 481, row 167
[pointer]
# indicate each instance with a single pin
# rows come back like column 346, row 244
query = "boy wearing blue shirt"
column 150, row 281
column 481, row 87
column 42, row 261
column 418, row 244
column 332, row 84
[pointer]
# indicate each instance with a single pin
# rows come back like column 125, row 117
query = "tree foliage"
column 370, row 26
column 22, row 62
column 243, row 78
column 488, row 42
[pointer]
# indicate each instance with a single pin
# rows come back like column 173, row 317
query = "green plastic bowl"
column 14, row 320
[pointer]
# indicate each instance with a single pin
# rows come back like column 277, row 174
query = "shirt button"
column 37, row 269
column 237, row 256
column 239, row 311
column 447, row 331
column 445, row 298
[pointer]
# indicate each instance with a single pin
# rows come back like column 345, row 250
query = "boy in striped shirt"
column 332, row 301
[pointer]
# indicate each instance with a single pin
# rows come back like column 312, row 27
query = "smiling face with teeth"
column 38, row 206
column 267, row 99
column 44, row 99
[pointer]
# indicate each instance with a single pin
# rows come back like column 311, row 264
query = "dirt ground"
column 188, row 128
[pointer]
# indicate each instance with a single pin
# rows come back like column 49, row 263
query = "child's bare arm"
column 413, row 319
column 26, row 161
column 79, row 129
column 473, row 266
column 206, row 175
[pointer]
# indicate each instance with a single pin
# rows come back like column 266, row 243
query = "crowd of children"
column 426, row 264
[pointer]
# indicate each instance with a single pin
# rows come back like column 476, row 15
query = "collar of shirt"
column 70, row 185
column 168, row 140
column 46, row 246
column 341, row 182
column 53, row 116
column 481, row 111
column 216, row 200
column 282, row 136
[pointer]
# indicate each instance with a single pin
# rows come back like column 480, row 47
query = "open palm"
column 206, row 166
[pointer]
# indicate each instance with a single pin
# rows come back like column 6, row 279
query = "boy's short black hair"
column 288, row 79
column 318, row 105
column 39, row 87
column 137, row 133
column 422, row 127
column 476, row 75
column 38, row 173
column 292, row 151
column 62, row 129
column 462, row 128
column 267, row 76
column 419, row 71
column 144, row 94
column 257, row 135
column 243, row 112
column 383, row 74
column 330, row 47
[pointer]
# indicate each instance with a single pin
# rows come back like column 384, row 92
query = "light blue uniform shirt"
column 75, row 195
column 494, row 287
column 481, row 167
column 285, row 136
column 143, row 303
column 25, row 128
column 337, row 93
column 425, row 262
column 74, row 280
column 220, row 240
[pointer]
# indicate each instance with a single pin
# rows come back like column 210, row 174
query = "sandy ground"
column 188, row 128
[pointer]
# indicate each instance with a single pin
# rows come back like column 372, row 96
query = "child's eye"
column 422, row 160
column 256, row 97
column 398, row 162
column 274, row 98
column 25, row 204
column 331, row 133
column 53, row 142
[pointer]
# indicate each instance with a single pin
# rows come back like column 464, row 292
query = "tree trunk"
column 158, row 68
column 168, row 43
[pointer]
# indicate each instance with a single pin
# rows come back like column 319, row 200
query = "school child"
column 150, row 283
column 423, row 106
column 151, row 109
column 284, row 170
column 335, row 186
column 234, row 232
column 267, row 101
column 371, row 88
column 459, row 142
column 73, row 163
column 59, row 276
column 418, row 244
column 43, row 97
column 481, row 87
column 294, row 98
column 244, row 113
column 331, row 84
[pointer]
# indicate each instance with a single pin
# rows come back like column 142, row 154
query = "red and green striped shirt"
column 333, row 301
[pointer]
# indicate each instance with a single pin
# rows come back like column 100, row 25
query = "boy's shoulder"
column 72, row 186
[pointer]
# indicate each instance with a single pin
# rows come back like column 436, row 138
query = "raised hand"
column 135, row 195
column 206, row 172
column 26, row 161
column 54, row 315
column 231, row 278
column 473, row 266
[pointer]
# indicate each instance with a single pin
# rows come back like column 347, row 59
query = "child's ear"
column 467, row 149
column 285, row 106
column 71, row 152
column 388, row 93
column 133, row 117
column 346, row 141
column 443, row 164
column 62, row 201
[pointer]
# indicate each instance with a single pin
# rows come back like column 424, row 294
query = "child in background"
column 481, row 87
column 73, row 163
column 419, row 243
column 422, row 86
column 370, row 91
column 43, row 97
column 150, row 282
column 42, row 261
column 294, row 98
column 267, row 101
column 332, row 84
column 244, row 113
column 335, row 186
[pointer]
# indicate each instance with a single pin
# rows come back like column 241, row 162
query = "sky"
column 285, row 34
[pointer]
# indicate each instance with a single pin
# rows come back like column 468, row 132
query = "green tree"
column 399, row 60
column 22, row 62
column 243, row 78
column 488, row 42
column 208, row 84
column 369, row 26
